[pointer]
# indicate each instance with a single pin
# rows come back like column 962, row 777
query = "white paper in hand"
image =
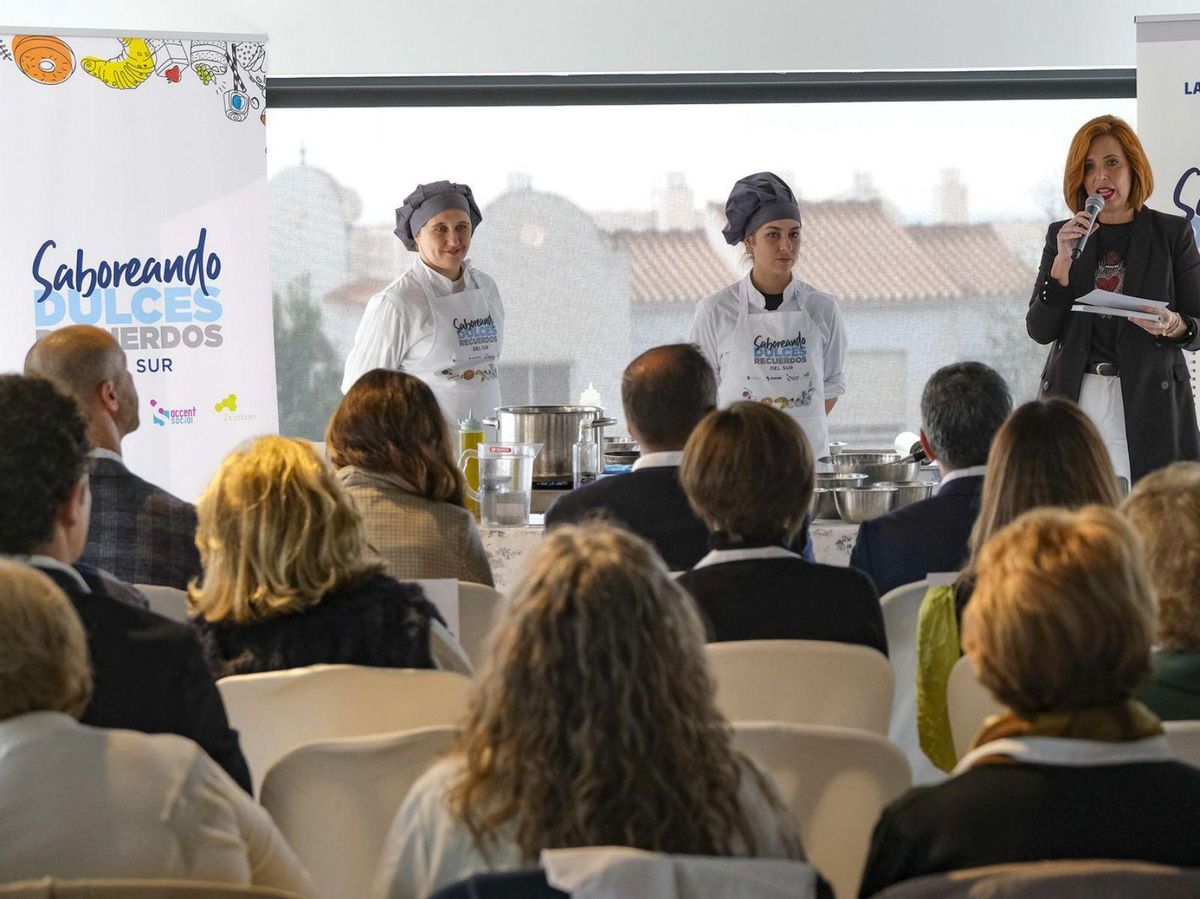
column 1121, row 313
column 1109, row 300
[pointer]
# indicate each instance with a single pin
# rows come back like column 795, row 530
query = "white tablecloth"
column 507, row 547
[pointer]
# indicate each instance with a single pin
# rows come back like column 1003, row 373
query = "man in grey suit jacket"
column 138, row 531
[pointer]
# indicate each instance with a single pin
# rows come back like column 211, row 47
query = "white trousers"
column 1100, row 399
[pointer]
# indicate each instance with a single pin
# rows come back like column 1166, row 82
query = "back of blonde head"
column 43, row 650
column 1062, row 616
column 276, row 532
column 593, row 721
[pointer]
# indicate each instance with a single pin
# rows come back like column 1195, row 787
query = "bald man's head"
column 88, row 365
column 666, row 391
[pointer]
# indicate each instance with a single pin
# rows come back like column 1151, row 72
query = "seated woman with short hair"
column 85, row 802
column 592, row 724
column 289, row 579
column 392, row 450
column 748, row 473
column 1059, row 631
column 1164, row 508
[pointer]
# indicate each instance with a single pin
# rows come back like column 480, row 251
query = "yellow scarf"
column 1122, row 723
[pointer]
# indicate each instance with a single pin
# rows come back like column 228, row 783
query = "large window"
column 602, row 229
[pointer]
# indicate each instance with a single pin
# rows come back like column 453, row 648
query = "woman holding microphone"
column 442, row 320
column 771, row 338
column 1128, row 375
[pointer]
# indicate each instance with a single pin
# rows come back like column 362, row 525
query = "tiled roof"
column 673, row 266
column 975, row 258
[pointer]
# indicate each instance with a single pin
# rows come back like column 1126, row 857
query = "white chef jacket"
column 89, row 802
column 717, row 316
column 397, row 327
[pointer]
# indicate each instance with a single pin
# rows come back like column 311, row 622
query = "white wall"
column 319, row 37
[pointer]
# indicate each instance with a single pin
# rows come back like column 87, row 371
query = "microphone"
column 1093, row 206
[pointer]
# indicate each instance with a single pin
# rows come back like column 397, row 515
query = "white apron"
column 778, row 356
column 460, row 366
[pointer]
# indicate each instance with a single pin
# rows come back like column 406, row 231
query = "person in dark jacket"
column 289, row 579
column 962, row 407
column 1128, row 375
column 138, row 531
column 150, row 674
column 748, row 472
column 665, row 391
column 1059, row 631
column 1164, row 508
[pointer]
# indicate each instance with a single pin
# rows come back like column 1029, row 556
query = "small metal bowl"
column 831, row 479
column 837, row 447
column 824, row 504
column 859, row 504
column 908, row 492
column 876, row 466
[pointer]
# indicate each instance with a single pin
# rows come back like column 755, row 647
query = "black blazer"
column 931, row 535
column 138, row 531
column 786, row 599
column 998, row 813
column 149, row 673
column 650, row 502
column 1160, row 416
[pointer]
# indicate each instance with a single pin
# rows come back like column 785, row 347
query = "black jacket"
column 650, row 502
column 929, row 536
column 1162, row 264
column 149, row 673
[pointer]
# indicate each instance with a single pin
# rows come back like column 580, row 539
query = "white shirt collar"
column 973, row 471
column 99, row 452
column 721, row 556
column 39, row 561
column 1070, row 752
column 665, row 459
column 442, row 285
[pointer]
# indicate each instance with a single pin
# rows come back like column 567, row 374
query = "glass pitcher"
column 505, row 482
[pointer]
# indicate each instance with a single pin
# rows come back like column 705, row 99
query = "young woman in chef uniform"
column 769, row 337
column 441, row 320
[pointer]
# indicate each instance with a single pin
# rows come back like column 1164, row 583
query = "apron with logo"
column 777, row 358
column 460, row 367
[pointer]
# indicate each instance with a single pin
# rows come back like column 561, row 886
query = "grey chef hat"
column 756, row 200
column 427, row 201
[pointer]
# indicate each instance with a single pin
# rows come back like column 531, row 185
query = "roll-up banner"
column 1168, row 120
column 135, row 199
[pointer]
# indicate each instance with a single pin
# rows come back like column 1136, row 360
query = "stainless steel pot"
column 556, row 428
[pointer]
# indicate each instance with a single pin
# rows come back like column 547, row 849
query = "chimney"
column 520, row 181
column 951, row 198
column 676, row 207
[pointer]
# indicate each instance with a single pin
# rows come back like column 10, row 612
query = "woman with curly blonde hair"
column 289, row 579
column 393, row 453
column 593, row 723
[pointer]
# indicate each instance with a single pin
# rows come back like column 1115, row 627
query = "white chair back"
column 901, row 608
column 170, row 602
column 1184, row 737
column 802, row 682
column 53, row 888
column 835, row 782
column 279, row 711
column 479, row 609
column 334, row 801
column 968, row 703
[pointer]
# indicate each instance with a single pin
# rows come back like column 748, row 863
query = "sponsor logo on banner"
column 227, row 407
column 162, row 416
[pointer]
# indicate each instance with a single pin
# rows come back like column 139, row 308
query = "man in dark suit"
column 962, row 407
column 150, row 674
column 665, row 391
column 138, row 531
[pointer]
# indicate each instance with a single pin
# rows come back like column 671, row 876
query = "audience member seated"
column 87, row 802
column 1164, row 509
column 288, row 577
column 150, row 672
column 748, row 473
column 1059, row 630
column 962, row 407
column 592, row 724
column 138, row 531
column 1048, row 453
column 391, row 447
column 665, row 391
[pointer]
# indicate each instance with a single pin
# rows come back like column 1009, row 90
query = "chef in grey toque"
column 441, row 320
column 770, row 337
